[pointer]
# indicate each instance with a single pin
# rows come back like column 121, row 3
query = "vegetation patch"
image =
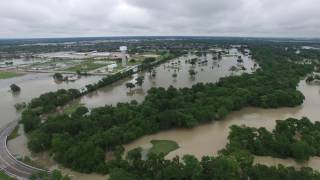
column 163, row 146
column 291, row 138
column 3, row 176
column 29, row 161
column 85, row 66
column 72, row 108
column 54, row 175
column 14, row 133
column 8, row 74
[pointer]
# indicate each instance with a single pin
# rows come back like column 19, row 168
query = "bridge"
column 8, row 163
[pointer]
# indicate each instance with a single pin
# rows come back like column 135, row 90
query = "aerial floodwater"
column 32, row 85
column 205, row 139
column 208, row 139
column 209, row 72
column 159, row 90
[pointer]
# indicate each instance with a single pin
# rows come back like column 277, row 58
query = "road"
column 8, row 164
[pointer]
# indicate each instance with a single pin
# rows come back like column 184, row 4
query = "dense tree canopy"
column 222, row 167
column 299, row 139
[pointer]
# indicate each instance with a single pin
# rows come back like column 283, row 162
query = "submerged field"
column 7, row 74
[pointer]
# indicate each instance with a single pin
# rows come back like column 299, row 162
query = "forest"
column 236, row 166
column 80, row 141
column 294, row 138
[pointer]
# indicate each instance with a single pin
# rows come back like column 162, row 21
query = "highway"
column 8, row 164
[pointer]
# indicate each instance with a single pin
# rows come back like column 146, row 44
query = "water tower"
column 123, row 50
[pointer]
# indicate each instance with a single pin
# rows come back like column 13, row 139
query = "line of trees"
column 236, row 166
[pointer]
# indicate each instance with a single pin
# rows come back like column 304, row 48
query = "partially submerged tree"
column 130, row 85
column 15, row 88
column 20, row 106
column 192, row 72
column 139, row 80
column 233, row 69
column 58, row 76
column 174, row 75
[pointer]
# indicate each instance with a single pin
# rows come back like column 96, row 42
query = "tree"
column 192, row 72
column 121, row 174
column 309, row 79
column 134, row 154
column 192, row 168
column 140, row 80
column 193, row 61
column 58, row 76
column 130, row 85
column 233, row 69
column 301, row 151
column 239, row 60
column 80, row 111
column 15, row 88
column 174, row 75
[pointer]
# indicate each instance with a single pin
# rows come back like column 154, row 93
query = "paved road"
column 8, row 163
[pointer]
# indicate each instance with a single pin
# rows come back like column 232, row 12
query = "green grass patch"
column 163, row 146
column 30, row 162
column 3, row 176
column 7, row 74
column 14, row 133
column 72, row 108
column 85, row 66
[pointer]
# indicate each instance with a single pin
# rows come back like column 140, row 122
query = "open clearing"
column 163, row 146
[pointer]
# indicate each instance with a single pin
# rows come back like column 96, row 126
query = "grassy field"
column 163, row 146
column 7, row 75
column 85, row 66
column 70, row 109
column 3, row 176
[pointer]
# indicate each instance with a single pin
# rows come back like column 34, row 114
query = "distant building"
column 123, row 50
column 111, row 67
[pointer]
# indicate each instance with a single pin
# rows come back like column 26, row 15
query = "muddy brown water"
column 209, row 72
column 32, row 85
column 206, row 139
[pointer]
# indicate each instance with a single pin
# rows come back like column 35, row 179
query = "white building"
column 111, row 67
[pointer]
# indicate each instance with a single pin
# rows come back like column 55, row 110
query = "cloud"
column 65, row 18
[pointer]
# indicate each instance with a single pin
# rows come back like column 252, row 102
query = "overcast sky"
column 75, row 18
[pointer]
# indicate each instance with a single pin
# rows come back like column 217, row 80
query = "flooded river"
column 206, row 139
